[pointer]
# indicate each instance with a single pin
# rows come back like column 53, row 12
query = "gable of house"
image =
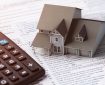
column 82, row 35
column 62, row 29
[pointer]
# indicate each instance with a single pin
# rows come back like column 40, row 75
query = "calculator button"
column 21, row 57
column 11, row 62
column 17, row 67
column 9, row 47
column 1, row 51
column 15, row 52
column 30, row 65
column 3, row 82
column 13, row 78
column 23, row 73
column 3, row 42
column 2, row 66
column 7, row 72
column 5, row 57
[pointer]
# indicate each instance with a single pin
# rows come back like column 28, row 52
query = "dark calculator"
column 16, row 66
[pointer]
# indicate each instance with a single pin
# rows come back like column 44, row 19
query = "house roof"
column 89, row 19
column 71, row 31
column 93, row 28
column 42, row 41
column 52, row 15
column 62, row 29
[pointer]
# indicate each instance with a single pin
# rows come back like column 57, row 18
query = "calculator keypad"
column 16, row 65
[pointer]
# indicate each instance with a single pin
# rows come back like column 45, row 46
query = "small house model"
column 63, row 31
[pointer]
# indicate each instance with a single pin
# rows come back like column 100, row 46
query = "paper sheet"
column 21, row 20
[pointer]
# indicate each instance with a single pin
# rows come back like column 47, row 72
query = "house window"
column 55, row 49
column 41, row 30
column 77, row 51
column 49, row 31
column 90, row 53
column 76, row 38
column 56, row 39
column 81, row 39
column 66, row 50
column 82, row 36
column 59, row 49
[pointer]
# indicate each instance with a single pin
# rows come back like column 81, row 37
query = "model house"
column 63, row 31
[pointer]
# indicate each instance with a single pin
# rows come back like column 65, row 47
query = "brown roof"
column 52, row 15
column 62, row 29
column 89, row 19
column 42, row 41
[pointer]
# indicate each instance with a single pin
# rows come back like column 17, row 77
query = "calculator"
column 16, row 66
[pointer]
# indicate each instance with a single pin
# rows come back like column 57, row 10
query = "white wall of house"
column 58, row 43
column 79, row 52
column 101, row 33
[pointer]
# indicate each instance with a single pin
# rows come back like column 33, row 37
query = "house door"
column 57, row 50
column 58, row 44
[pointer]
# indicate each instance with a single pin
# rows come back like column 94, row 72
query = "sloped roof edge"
column 62, row 29
column 63, row 6
column 88, row 19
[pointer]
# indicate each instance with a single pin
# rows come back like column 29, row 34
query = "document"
column 21, row 20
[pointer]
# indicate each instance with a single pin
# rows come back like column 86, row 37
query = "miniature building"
column 62, row 31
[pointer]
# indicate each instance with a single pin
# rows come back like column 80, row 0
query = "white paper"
column 19, row 21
